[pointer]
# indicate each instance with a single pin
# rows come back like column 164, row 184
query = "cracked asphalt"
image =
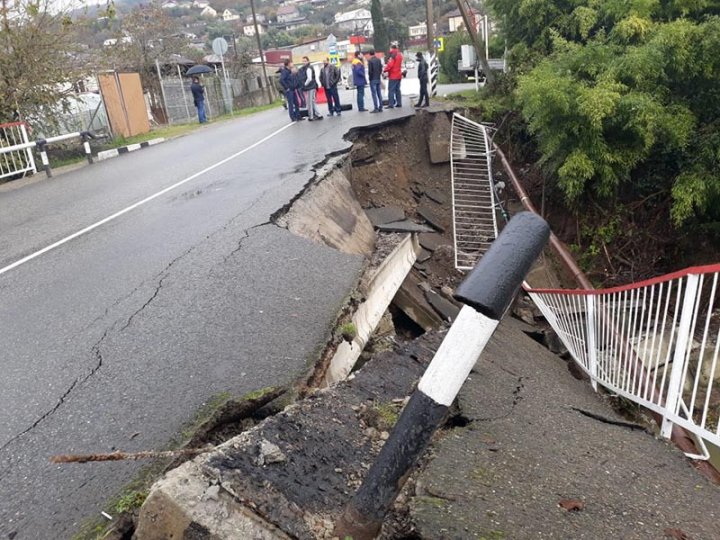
column 116, row 338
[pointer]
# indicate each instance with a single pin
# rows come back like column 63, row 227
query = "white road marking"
column 138, row 204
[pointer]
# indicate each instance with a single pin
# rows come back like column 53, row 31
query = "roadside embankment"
column 528, row 451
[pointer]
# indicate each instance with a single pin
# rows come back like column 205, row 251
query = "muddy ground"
column 391, row 167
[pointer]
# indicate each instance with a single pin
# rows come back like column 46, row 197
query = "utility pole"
column 262, row 56
column 480, row 48
column 430, row 23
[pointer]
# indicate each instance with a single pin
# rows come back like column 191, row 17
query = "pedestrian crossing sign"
column 440, row 44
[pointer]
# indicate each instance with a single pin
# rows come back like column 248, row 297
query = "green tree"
column 381, row 40
column 146, row 34
column 397, row 32
column 39, row 58
column 642, row 95
column 450, row 56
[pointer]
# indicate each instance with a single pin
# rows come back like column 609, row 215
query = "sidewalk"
column 534, row 437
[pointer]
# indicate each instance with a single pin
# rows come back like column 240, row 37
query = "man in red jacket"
column 394, row 69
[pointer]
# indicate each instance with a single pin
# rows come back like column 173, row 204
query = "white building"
column 357, row 20
column 230, row 15
column 418, row 30
column 259, row 16
column 201, row 4
column 208, row 12
column 286, row 14
column 249, row 29
column 455, row 20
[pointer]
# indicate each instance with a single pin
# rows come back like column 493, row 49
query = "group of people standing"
column 300, row 85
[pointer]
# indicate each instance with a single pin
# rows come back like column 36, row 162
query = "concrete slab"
column 430, row 214
column 328, row 441
column 530, row 444
column 405, row 226
column 385, row 214
column 432, row 241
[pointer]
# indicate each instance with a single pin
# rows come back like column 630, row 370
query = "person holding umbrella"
column 198, row 92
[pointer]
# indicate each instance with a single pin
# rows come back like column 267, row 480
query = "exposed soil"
column 391, row 167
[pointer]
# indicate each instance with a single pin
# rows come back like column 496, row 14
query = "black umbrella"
column 198, row 70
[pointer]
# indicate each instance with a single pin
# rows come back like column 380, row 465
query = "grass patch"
column 130, row 501
column 257, row 394
column 388, row 412
column 348, row 331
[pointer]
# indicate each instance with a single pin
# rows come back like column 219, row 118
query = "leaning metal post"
column 487, row 292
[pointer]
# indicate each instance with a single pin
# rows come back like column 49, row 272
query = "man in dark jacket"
column 310, row 86
column 358, row 72
column 329, row 79
column 375, row 69
column 422, row 66
column 198, row 93
column 288, row 83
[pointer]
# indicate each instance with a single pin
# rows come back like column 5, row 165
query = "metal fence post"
column 42, row 148
column 591, row 339
column 675, row 385
column 86, row 136
column 30, row 157
column 487, row 292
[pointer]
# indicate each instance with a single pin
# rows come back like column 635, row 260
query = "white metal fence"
column 655, row 343
column 16, row 162
column 473, row 201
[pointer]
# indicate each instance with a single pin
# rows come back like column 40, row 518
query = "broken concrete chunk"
column 269, row 453
column 431, row 216
column 212, row 493
column 431, row 241
column 423, row 256
column 385, row 214
column 411, row 301
column 437, row 196
column 445, row 308
column 404, row 226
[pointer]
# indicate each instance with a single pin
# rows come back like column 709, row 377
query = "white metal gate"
column 473, row 199
column 15, row 162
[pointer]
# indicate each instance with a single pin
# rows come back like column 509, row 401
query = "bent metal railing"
column 655, row 343
column 15, row 161
column 473, row 201
column 671, row 324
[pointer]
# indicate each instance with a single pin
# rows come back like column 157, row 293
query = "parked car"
column 409, row 64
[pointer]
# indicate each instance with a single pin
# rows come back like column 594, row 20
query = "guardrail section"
column 473, row 201
column 654, row 342
column 17, row 161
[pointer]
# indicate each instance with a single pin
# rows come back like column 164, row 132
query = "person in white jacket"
column 310, row 86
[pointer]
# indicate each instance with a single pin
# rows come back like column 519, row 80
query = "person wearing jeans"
column 310, row 86
column 329, row 79
column 287, row 81
column 198, row 93
column 394, row 71
column 375, row 77
column 358, row 71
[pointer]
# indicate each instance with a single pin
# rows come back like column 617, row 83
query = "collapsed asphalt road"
column 114, row 338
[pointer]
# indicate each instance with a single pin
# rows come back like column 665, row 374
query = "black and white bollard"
column 434, row 73
column 86, row 136
column 488, row 293
column 42, row 148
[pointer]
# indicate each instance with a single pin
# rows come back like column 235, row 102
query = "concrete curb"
column 114, row 152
